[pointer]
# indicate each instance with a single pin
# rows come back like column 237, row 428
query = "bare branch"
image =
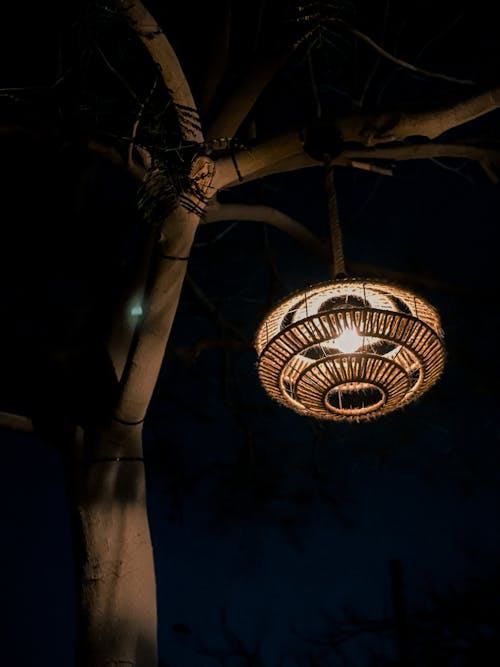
column 360, row 101
column 285, row 152
column 369, row 166
column 144, row 361
column 14, row 422
column 145, row 155
column 253, row 161
column 489, row 171
column 240, row 101
column 265, row 214
column 214, row 312
column 415, row 280
column 150, row 33
column 402, row 63
column 190, row 353
column 483, row 155
column 113, row 69
column 113, row 155
column 365, row 158
column 397, row 126
column 216, row 212
column 218, row 61
column 129, row 309
column 166, row 278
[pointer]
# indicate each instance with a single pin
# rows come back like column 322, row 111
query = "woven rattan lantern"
column 349, row 350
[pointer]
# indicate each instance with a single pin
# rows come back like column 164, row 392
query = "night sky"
column 273, row 534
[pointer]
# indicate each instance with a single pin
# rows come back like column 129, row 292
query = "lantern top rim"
column 392, row 288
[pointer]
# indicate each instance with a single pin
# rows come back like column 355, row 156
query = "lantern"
column 351, row 349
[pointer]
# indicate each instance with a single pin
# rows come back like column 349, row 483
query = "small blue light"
column 136, row 310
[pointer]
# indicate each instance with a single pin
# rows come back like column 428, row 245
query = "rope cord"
column 173, row 257
column 338, row 263
column 127, row 423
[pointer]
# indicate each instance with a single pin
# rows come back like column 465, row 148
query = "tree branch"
column 216, row 212
column 129, row 309
column 166, row 278
column 415, row 280
column 218, row 60
column 214, row 312
column 397, row 126
column 113, row 156
column 365, row 158
column 159, row 308
column 190, row 353
column 150, row 33
column 486, row 157
column 262, row 158
column 238, row 104
column 301, row 160
column 14, row 422
column 242, row 99
column 397, row 61
column 285, row 152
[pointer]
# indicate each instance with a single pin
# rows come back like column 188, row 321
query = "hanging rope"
column 338, row 263
column 322, row 139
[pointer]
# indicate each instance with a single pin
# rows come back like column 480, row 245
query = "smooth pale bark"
column 116, row 578
column 285, row 152
column 116, row 582
column 399, row 125
column 175, row 239
column 152, row 36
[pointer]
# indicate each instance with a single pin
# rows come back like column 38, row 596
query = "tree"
column 122, row 100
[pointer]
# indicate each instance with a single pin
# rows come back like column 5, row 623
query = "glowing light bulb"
column 349, row 341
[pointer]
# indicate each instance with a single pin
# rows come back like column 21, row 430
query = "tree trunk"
column 116, row 589
column 115, row 570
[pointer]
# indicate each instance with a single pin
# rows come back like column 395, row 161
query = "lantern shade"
column 350, row 350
